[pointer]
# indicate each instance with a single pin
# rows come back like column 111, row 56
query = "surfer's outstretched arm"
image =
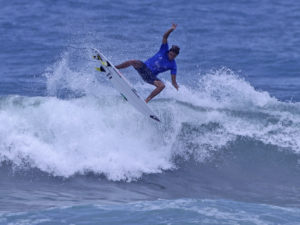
column 166, row 35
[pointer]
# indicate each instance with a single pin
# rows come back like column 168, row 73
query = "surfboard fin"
column 104, row 63
column 98, row 57
column 100, row 69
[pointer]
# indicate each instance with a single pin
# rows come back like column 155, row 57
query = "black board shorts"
column 146, row 74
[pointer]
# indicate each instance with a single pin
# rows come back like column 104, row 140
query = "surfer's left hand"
column 176, row 86
column 174, row 25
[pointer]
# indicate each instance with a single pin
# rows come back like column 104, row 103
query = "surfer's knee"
column 160, row 85
column 136, row 63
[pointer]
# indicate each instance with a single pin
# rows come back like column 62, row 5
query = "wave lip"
column 98, row 132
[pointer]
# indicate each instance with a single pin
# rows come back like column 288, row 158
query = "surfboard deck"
column 122, row 85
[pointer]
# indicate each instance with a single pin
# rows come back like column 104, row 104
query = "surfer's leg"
column 159, row 87
column 135, row 63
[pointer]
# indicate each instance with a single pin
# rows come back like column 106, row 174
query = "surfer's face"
column 172, row 55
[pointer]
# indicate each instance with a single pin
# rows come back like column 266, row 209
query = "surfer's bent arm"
column 174, row 83
column 166, row 35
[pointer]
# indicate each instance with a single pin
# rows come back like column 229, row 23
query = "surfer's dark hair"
column 175, row 49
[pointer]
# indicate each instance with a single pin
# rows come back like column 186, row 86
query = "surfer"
column 162, row 61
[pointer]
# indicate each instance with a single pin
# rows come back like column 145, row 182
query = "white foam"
column 65, row 137
column 101, row 133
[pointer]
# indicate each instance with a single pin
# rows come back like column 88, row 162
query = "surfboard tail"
column 154, row 117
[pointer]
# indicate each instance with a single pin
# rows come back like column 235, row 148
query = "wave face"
column 85, row 126
column 219, row 138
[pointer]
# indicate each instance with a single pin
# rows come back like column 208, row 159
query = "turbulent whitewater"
column 94, row 132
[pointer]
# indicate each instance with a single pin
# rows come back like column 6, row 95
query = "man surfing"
column 162, row 61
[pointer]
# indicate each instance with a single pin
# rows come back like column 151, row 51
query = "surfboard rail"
column 122, row 85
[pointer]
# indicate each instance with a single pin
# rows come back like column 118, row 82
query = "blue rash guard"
column 160, row 62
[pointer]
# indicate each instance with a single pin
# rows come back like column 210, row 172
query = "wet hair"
column 175, row 49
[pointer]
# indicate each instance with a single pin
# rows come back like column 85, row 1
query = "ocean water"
column 227, row 150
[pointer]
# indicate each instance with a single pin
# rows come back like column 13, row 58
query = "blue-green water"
column 227, row 150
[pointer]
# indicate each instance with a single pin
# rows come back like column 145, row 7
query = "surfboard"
column 122, row 85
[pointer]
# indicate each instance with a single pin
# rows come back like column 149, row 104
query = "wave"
column 192, row 211
column 85, row 126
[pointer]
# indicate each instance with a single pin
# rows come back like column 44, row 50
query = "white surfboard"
column 122, row 85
